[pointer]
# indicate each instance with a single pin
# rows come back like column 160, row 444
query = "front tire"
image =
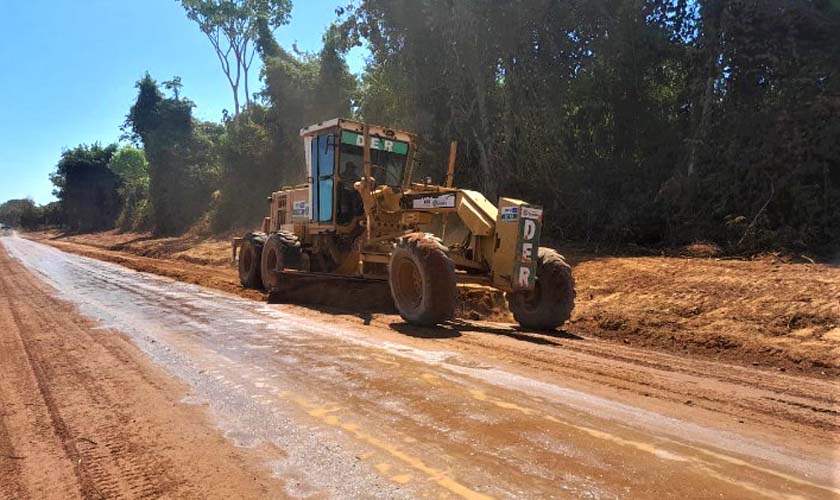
column 551, row 302
column 422, row 280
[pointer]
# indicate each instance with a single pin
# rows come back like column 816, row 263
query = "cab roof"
column 357, row 126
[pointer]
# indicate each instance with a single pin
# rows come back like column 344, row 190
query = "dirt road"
column 334, row 407
column 84, row 413
column 764, row 312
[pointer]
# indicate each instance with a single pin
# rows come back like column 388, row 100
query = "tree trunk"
column 235, row 89
column 247, row 92
column 484, row 140
column 488, row 184
column 711, row 11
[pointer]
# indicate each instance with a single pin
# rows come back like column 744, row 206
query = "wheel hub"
column 410, row 283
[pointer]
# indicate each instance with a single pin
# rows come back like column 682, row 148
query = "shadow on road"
column 425, row 332
column 456, row 328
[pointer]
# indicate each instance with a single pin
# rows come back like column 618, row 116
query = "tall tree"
column 182, row 156
column 231, row 27
column 261, row 149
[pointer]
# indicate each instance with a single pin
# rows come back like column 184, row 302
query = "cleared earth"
column 763, row 312
column 332, row 406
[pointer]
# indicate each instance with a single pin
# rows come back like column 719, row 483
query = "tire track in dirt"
column 772, row 400
column 36, row 443
column 104, row 410
column 86, row 483
column 10, row 459
column 118, row 468
column 734, row 395
column 10, row 487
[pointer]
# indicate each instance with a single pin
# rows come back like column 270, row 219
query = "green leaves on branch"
column 130, row 164
column 232, row 27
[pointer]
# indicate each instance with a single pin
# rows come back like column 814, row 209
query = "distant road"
column 332, row 410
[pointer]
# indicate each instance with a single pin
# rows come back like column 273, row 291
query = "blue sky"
column 69, row 68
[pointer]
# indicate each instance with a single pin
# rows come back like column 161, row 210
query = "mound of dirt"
column 192, row 249
column 474, row 302
column 355, row 295
column 756, row 312
column 701, row 249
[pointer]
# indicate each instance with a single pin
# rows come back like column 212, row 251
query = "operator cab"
column 335, row 162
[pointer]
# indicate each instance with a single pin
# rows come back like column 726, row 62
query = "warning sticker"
column 440, row 201
column 300, row 209
column 531, row 213
column 509, row 214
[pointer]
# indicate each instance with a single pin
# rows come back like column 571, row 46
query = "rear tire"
column 422, row 279
column 551, row 302
column 281, row 251
column 250, row 255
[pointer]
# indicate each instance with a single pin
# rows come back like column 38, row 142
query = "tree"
column 261, row 149
column 32, row 217
column 13, row 211
column 175, row 86
column 643, row 121
column 130, row 164
column 231, row 27
column 87, row 188
column 181, row 152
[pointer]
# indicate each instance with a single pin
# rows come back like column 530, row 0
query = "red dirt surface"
column 797, row 409
column 762, row 312
column 84, row 414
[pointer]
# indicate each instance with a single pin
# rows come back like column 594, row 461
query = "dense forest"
column 651, row 122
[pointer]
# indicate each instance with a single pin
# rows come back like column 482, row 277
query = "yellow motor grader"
column 360, row 214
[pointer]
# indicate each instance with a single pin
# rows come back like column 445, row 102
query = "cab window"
column 387, row 157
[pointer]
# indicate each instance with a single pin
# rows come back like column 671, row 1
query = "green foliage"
column 25, row 214
column 250, row 173
column 631, row 121
column 130, row 164
column 51, row 215
column 232, row 27
column 643, row 121
column 183, row 162
column 12, row 211
column 87, row 188
column 769, row 163
column 262, row 148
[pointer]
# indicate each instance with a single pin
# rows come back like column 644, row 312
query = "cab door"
column 323, row 173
